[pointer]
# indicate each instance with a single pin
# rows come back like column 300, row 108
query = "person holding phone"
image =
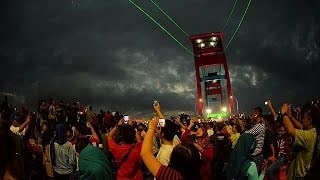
column 258, row 131
column 202, row 142
column 184, row 157
column 126, row 152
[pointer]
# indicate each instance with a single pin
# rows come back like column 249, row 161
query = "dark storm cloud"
column 108, row 54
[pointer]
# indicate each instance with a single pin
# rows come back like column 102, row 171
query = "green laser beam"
column 169, row 17
column 235, row 32
column 145, row 13
column 231, row 13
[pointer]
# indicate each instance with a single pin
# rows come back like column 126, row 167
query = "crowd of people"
column 67, row 141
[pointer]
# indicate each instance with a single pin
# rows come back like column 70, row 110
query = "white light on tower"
column 224, row 109
column 202, row 45
column 199, row 41
column 200, row 100
column 213, row 44
column 231, row 97
column 208, row 111
column 214, row 38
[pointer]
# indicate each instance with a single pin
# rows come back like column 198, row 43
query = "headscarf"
column 93, row 164
column 241, row 156
column 60, row 138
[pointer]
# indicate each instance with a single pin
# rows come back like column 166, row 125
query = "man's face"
column 76, row 132
column 44, row 127
column 69, row 134
column 254, row 116
column 199, row 132
column 306, row 121
column 240, row 122
column 234, row 130
column 281, row 131
column 15, row 123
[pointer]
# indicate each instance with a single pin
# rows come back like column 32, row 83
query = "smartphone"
column 155, row 102
column 266, row 103
column 162, row 123
column 126, row 119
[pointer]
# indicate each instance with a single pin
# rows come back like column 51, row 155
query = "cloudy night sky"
column 108, row 54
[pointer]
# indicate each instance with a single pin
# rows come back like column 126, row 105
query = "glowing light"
column 231, row 97
column 213, row 44
column 208, row 111
column 214, row 38
column 199, row 41
column 200, row 100
column 224, row 109
column 157, row 23
column 202, row 45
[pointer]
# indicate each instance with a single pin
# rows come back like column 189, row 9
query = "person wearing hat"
column 18, row 129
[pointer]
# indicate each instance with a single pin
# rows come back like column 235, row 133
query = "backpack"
column 221, row 152
column 221, row 146
column 113, row 163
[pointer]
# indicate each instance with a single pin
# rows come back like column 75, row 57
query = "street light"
column 196, row 106
column 224, row 109
column 231, row 97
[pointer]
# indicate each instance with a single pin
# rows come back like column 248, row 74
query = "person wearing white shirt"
column 18, row 129
column 168, row 139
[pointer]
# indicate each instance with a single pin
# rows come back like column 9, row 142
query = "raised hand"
column 194, row 120
column 28, row 119
column 89, row 125
column 156, row 106
column 269, row 103
column 121, row 122
column 153, row 123
column 284, row 108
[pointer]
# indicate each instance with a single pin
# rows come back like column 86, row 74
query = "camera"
column 155, row 103
column 162, row 123
column 126, row 119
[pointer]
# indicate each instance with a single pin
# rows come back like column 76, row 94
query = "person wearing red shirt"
column 202, row 143
column 80, row 132
column 127, row 152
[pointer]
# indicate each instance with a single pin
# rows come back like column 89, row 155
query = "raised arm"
column 93, row 132
column 25, row 124
column 288, row 126
column 295, row 122
column 273, row 112
column 150, row 161
column 114, row 129
column 157, row 108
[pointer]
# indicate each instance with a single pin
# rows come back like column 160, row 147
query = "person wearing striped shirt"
column 258, row 131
